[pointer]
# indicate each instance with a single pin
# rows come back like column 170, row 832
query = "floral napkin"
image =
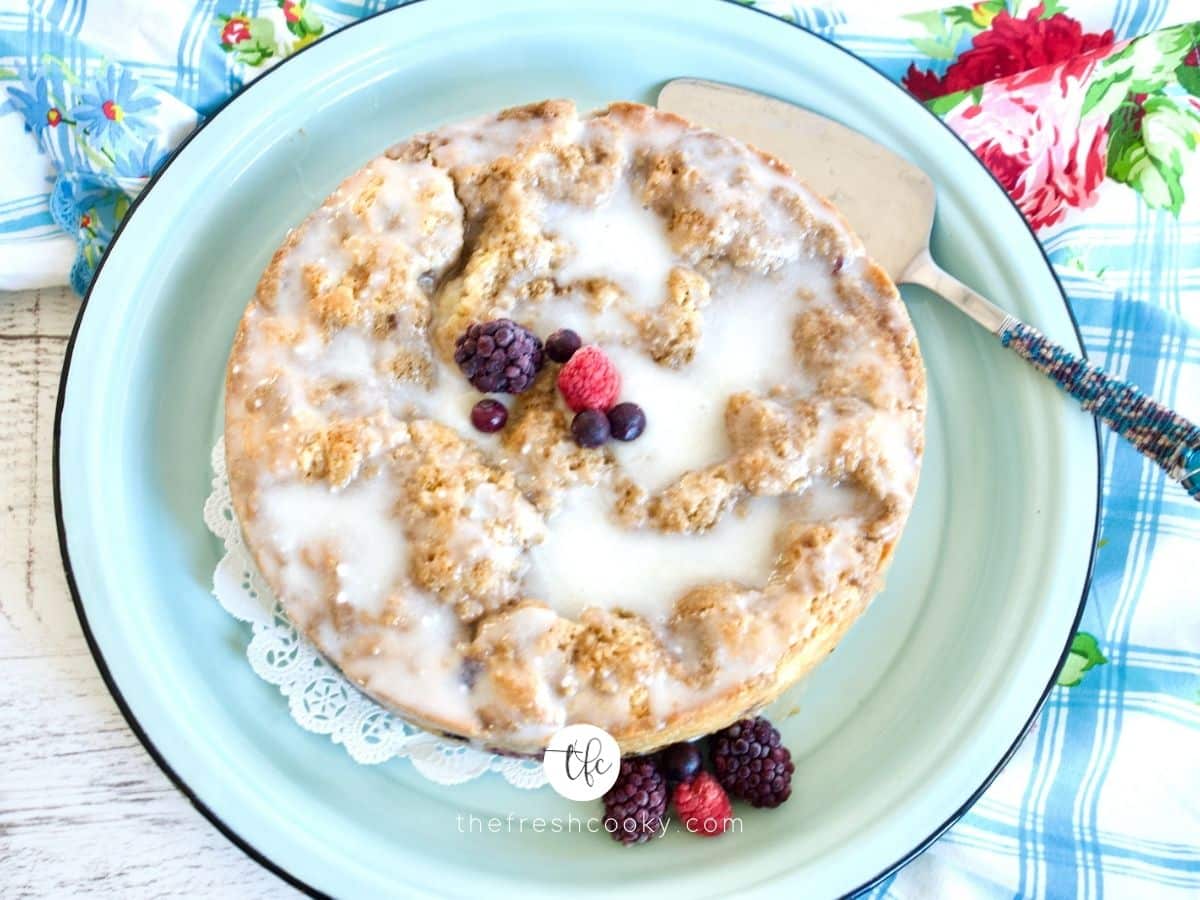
column 1086, row 111
column 1053, row 110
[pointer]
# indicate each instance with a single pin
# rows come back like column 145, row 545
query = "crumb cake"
column 496, row 587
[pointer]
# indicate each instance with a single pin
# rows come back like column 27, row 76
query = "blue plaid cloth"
column 1103, row 798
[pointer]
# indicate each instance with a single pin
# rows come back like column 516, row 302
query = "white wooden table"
column 84, row 811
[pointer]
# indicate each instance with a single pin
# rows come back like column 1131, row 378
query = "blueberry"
column 468, row 673
column 681, row 762
column 562, row 345
column 627, row 421
column 590, row 428
column 489, row 416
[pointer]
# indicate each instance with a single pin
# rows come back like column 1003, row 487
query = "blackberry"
column 499, row 356
column 751, row 763
column 635, row 806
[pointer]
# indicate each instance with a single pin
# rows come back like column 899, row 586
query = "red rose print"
column 85, row 221
column 1193, row 57
column 53, row 116
column 922, row 85
column 236, row 30
column 1029, row 130
column 1007, row 47
column 291, row 10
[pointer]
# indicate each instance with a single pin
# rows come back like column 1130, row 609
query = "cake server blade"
column 890, row 203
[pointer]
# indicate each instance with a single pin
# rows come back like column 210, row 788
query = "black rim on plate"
column 244, row 844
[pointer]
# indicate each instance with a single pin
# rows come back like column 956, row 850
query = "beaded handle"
column 1166, row 437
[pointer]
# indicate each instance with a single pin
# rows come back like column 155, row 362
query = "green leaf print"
column 91, row 254
column 947, row 27
column 1106, row 94
column 945, row 32
column 1169, row 129
column 1189, row 79
column 960, row 15
column 975, row 17
column 250, row 40
column 942, row 105
column 261, row 45
column 301, row 20
column 1085, row 654
column 1146, row 65
column 1147, row 143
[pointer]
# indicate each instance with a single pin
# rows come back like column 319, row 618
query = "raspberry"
column 751, row 763
column 499, row 356
column 589, row 380
column 635, row 805
column 703, row 805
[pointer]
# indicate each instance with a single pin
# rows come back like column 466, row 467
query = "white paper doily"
column 320, row 698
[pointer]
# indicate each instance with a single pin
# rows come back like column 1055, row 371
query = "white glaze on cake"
column 500, row 586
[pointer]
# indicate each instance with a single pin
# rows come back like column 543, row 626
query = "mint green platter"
column 893, row 736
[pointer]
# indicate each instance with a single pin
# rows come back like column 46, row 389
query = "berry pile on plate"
column 749, row 762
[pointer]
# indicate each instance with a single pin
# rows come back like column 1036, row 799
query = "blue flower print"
column 91, row 210
column 72, row 194
column 138, row 162
column 109, row 109
column 34, row 102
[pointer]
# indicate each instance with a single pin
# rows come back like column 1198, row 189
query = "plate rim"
column 184, row 788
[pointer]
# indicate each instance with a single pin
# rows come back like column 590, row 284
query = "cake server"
column 890, row 203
